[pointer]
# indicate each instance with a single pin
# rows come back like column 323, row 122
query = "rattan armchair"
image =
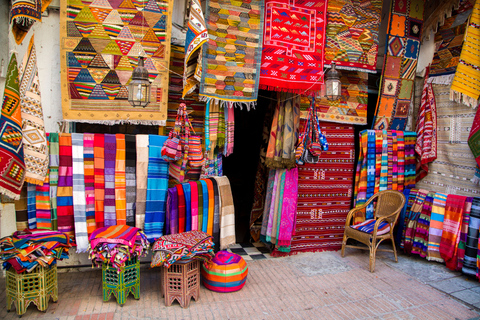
column 389, row 204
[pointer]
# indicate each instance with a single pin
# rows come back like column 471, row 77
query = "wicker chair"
column 389, row 203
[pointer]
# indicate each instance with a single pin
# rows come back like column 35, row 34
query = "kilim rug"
column 351, row 108
column 230, row 61
column 445, row 175
column 100, row 45
column 34, row 139
column 448, row 44
column 466, row 83
column 324, row 193
column 403, row 45
column 352, row 34
column 23, row 15
column 12, row 165
column 293, row 51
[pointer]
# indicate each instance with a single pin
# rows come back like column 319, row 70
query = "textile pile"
column 114, row 245
column 25, row 250
column 182, row 246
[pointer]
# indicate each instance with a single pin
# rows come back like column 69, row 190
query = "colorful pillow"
column 227, row 272
column 368, row 225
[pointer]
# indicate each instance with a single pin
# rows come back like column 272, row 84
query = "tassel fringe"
column 444, row 80
column 459, row 97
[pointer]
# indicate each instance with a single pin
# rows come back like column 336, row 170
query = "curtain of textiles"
column 100, row 45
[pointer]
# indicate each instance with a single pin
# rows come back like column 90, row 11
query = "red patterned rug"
column 325, row 191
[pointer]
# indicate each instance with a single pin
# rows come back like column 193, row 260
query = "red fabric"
column 324, row 193
column 292, row 54
column 181, row 209
column 99, row 169
column 451, row 229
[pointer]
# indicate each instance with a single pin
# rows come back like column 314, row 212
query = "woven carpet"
column 352, row 34
column 100, row 45
column 324, row 193
column 403, row 45
column 230, row 61
column 12, row 165
column 23, row 15
column 446, row 175
column 292, row 57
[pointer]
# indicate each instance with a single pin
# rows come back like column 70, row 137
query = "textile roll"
column 120, row 181
column 110, row 214
column 99, row 170
column 31, row 206
column 157, row 186
column 466, row 83
column 436, row 227
column 231, row 73
column 44, row 214
column 89, row 171
column 35, row 147
column 101, row 45
column 227, row 272
column 12, row 165
column 53, row 172
column 471, row 246
column 292, row 74
column 130, row 177
column 79, row 202
column 227, row 213
column 23, row 15
column 65, row 218
column 352, row 35
column 451, row 229
column 142, row 174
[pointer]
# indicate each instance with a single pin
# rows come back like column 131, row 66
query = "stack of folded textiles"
column 182, row 246
column 116, row 244
column 27, row 249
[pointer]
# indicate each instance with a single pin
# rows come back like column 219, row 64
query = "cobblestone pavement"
column 305, row 286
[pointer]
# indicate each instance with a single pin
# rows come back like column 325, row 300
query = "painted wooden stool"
column 37, row 286
column 181, row 282
column 121, row 283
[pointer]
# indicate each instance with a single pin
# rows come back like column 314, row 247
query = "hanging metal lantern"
column 139, row 87
column 333, row 85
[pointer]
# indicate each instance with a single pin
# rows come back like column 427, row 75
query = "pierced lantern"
column 333, row 85
column 139, row 87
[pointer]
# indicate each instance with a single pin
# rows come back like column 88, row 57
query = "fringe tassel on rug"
column 459, row 97
column 446, row 79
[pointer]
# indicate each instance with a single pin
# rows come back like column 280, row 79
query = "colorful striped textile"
column 211, row 206
column 200, row 205
column 79, row 202
column 130, row 177
column 65, row 185
column 31, row 206
column 227, row 272
column 288, row 210
column 411, row 219
column 410, row 161
column 463, row 232
column 120, row 182
column 157, row 186
column 171, row 214
column 420, row 240
column 216, row 214
column 99, row 170
column 401, row 219
column 368, row 226
column 194, row 204
column 53, row 172
column 12, row 165
column 89, row 174
column 44, row 214
column 451, row 229
column 471, row 245
column 109, row 202
column 181, row 209
column 436, row 227
column 188, row 206
column 21, row 211
column 142, row 174
column 227, row 213
column 205, row 206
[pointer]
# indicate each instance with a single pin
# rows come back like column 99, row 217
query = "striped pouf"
column 227, row 272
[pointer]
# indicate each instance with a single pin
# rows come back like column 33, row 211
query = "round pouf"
column 227, row 272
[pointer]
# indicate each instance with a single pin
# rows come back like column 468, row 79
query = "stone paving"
column 304, row 286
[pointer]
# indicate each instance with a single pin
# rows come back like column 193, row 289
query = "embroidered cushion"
column 368, row 225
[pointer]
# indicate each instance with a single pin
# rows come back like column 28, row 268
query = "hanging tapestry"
column 324, row 193
column 466, row 83
column 35, row 148
column 231, row 57
column 352, row 34
column 454, row 121
column 12, row 165
column 293, row 46
column 351, row 108
column 23, row 15
column 403, row 45
column 197, row 35
column 448, row 44
column 100, row 43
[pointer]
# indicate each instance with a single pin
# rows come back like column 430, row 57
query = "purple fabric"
column 174, row 211
column 109, row 203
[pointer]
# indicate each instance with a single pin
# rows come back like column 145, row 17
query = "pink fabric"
column 289, row 208
column 194, row 204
